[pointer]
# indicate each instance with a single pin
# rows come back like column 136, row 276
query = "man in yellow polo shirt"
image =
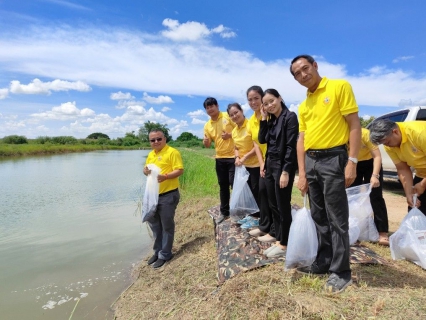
column 219, row 130
column 405, row 143
column 162, row 223
column 328, row 118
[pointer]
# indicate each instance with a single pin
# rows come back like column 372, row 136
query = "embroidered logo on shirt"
column 159, row 158
column 413, row 148
column 326, row 100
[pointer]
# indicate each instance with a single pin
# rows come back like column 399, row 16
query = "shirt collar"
column 403, row 134
column 321, row 85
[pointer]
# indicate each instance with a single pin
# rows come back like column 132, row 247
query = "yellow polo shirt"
column 413, row 146
column 366, row 146
column 168, row 160
column 213, row 130
column 322, row 114
column 244, row 143
column 253, row 129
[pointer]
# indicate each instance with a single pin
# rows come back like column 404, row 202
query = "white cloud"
column 121, row 96
column 4, row 93
column 66, row 111
column 192, row 30
column 198, row 121
column 40, row 87
column 158, row 100
column 122, row 104
column 197, row 113
column 403, row 58
column 165, row 109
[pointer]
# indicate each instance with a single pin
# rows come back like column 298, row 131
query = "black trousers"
column 279, row 199
column 422, row 198
column 266, row 221
column 330, row 210
column 225, row 170
column 253, row 183
column 364, row 170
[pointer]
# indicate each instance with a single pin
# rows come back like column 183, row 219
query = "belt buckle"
column 312, row 153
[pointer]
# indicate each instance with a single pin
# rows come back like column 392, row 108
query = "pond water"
column 70, row 233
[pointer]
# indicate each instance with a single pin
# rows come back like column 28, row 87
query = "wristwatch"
column 377, row 176
column 354, row 160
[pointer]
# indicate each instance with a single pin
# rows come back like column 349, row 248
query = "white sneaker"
column 266, row 251
column 267, row 238
column 256, row 233
column 276, row 252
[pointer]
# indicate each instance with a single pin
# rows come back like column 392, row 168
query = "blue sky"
column 71, row 67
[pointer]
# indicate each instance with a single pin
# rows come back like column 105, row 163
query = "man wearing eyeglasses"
column 162, row 224
column 328, row 119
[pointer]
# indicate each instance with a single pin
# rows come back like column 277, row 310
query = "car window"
column 421, row 115
column 396, row 116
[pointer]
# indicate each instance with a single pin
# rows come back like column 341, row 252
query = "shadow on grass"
column 389, row 276
column 191, row 246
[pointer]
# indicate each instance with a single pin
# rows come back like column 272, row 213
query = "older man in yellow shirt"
column 328, row 119
column 405, row 143
column 162, row 223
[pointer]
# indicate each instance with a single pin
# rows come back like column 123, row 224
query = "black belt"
column 320, row 153
column 167, row 192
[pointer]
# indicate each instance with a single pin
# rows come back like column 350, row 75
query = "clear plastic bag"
column 360, row 208
column 242, row 200
column 302, row 246
column 409, row 241
column 353, row 230
column 150, row 197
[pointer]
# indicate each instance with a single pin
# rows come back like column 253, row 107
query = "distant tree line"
column 186, row 139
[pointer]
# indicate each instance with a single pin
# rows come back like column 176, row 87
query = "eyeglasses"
column 155, row 139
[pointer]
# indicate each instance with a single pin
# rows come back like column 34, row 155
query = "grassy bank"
column 187, row 287
column 15, row 150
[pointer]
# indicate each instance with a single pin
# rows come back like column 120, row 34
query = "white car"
column 408, row 114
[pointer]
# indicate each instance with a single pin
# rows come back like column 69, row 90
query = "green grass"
column 199, row 176
column 7, row 150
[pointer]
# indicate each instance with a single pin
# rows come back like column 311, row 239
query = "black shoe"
column 313, row 269
column 152, row 259
column 221, row 218
column 337, row 284
column 159, row 263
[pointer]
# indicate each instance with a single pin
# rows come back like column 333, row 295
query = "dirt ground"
column 396, row 203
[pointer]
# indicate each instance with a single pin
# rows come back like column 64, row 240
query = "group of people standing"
column 327, row 146
column 274, row 143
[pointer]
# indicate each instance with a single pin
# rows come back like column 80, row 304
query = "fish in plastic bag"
column 360, row 208
column 242, row 200
column 409, row 241
column 302, row 246
column 150, row 197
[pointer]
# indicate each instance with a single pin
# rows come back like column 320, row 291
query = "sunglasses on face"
column 155, row 139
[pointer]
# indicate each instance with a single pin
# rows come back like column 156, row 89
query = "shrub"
column 15, row 139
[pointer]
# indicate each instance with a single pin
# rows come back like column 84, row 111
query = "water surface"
column 69, row 233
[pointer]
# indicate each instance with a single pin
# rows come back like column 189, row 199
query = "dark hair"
column 276, row 94
column 209, row 102
column 309, row 58
column 236, row 105
column 156, row 130
column 256, row 89
column 380, row 129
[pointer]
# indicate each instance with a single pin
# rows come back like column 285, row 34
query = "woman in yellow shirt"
column 246, row 151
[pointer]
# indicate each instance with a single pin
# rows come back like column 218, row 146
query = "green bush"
column 64, row 140
column 15, row 139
